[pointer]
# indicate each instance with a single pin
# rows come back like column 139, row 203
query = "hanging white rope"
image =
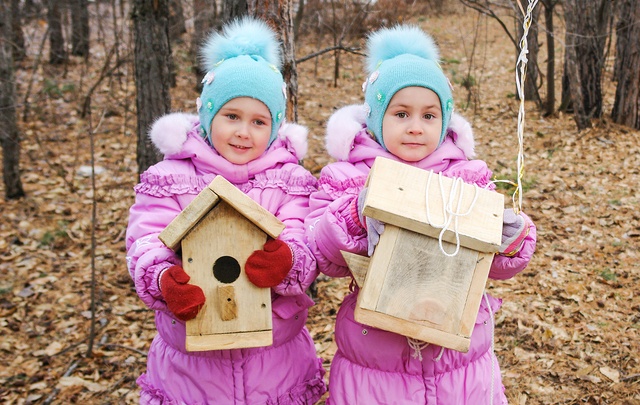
column 521, row 73
column 450, row 213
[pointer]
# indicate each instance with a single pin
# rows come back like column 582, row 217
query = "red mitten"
column 183, row 300
column 269, row 266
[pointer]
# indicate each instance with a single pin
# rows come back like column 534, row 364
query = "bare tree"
column 626, row 108
column 204, row 17
column 551, row 56
column 491, row 9
column 586, row 34
column 17, row 37
column 152, row 72
column 231, row 9
column 279, row 15
column 533, row 72
column 177, row 25
column 32, row 8
column 57, row 52
column 9, row 135
column 79, row 27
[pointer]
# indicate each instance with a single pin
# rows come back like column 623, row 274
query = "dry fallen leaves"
column 567, row 332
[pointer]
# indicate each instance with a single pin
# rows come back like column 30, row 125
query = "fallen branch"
column 56, row 390
column 630, row 377
column 110, row 346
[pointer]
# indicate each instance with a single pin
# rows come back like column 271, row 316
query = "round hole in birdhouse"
column 226, row 269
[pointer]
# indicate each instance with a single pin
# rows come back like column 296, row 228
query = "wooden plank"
column 358, row 266
column 422, row 293
column 173, row 234
column 425, row 286
column 229, row 341
column 378, row 267
column 414, row 330
column 397, row 195
column 224, row 232
column 227, row 302
column 257, row 214
column 476, row 291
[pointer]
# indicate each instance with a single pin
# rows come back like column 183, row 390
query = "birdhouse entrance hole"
column 226, row 269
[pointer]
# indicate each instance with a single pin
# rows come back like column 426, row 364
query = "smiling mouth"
column 241, row 147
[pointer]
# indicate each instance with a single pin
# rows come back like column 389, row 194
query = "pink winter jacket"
column 373, row 366
column 288, row 372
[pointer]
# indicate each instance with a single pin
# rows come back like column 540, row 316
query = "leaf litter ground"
column 568, row 329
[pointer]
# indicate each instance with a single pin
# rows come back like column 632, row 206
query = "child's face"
column 412, row 123
column 241, row 129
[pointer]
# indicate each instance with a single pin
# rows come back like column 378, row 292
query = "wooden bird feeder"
column 409, row 285
column 217, row 232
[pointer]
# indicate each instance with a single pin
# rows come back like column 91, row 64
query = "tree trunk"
column 205, row 15
column 586, row 34
column 177, row 25
column 533, row 74
column 279, row 15
column 152, row 55
column 9, row 135
column 627, row 101
column 550, row 105
column 32, row 8
column 57, row 53
column 80, row 27
column 299, row 16
column 230, row 10
column 17, row 36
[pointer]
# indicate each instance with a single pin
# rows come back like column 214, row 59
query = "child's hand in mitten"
column 183, row 300
column 373, row 227
column 514, row 231
column 269, row 266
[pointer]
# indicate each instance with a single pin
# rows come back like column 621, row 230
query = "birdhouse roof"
column 422, row 201
column 220, row 189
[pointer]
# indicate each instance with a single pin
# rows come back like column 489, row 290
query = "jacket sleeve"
column 502, row 267
column 285, row 193
column 304, row 269
column 505, row 267
column 330, row 226
column 147, row 256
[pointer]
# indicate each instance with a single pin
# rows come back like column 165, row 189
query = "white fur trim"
column 169, row 132
column 295, row 136
column 342, row 128
column 464, row 140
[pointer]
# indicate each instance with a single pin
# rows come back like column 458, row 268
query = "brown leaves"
column 568, row 331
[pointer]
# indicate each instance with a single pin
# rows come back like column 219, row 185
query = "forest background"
column 73, row 328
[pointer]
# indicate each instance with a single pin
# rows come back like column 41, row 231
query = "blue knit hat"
column 399, row 57
column 243, row 61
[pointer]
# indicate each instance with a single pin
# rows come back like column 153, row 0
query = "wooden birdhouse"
column 217, row 232
column 426, row 277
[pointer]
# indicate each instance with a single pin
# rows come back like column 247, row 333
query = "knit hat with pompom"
column 242, row 61
column 399, row 57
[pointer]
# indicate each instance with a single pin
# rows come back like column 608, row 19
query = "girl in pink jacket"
column 408, row 117
column 239, row 134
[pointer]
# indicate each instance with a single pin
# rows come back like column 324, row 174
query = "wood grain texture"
column 173, row 234
column 227, row 302
column 397, row 194
column 255, row 213
column 358, row 265
column 413, row 289
column 224, row 232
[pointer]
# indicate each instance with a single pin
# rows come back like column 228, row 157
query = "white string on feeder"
column 521, row 73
